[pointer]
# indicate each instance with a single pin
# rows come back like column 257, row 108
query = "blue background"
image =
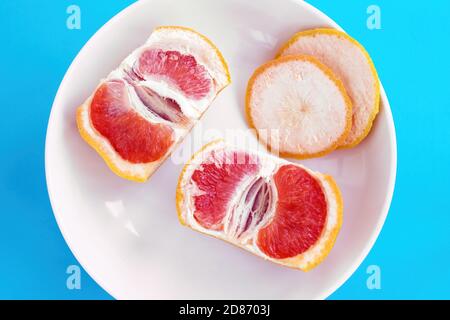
column 411, row 52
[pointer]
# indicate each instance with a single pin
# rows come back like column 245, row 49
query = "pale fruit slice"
column 352, row 64
column 298, row 107
column 144, row 108
column 275, row 209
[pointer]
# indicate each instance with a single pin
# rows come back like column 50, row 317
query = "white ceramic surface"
column 127, row 236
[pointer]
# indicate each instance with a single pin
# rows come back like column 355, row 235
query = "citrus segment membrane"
column 144, row 108
column 278, row 210
column 300, row 103
column 351, row 63
column 251, row 210
column 165, row 108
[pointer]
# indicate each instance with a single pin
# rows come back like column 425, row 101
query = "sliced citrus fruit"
column 352, row 64
column 278, row 210
column 144, row 108
column 298, row 107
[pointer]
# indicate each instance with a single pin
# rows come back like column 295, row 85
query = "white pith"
column 350, row 63
column 269, row 165
column 300, row 105
column 186, row 42
column 237, row 206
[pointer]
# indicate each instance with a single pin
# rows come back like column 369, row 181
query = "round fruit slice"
column 298, row 107
column 144, row 108
column 352, row 64
column 277, row 210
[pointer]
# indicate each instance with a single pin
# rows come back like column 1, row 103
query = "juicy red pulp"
column 217, row 181
column 181, row 70
column 300, row 214
column 134, row 138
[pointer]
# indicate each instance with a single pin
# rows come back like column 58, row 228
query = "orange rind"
column 351, row 63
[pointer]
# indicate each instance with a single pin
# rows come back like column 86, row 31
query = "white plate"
column 127, row 236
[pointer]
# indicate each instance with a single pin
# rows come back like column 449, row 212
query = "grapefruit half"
column 280, row 211
column 144, row 108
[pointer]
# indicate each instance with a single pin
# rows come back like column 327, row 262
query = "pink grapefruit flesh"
column 300, row 214
column 217, row 179
column 180, row 69
column 134, row 138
